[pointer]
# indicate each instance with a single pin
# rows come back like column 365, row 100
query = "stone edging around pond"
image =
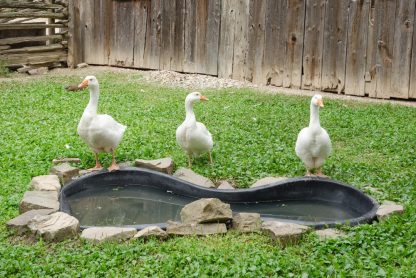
column 40, row 216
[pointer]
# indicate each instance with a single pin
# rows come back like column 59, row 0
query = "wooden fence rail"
column 28, row 32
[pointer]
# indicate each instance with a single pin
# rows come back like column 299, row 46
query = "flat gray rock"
column 284, row 232
column 65, row 172
column 45, row 183
column 206, row 210
column 83, row 172
column 38, row 71
column 192, row 177
column 388, row 209
column 57, row 161
column 20, row 222
column 125, row 164
column 154, row 231
column 246, row 222
column 39, row 200
column 24, row 69
column 374, row 190
column 164, row 165
column 267, row 180
column 329, row 233
column 54, row 227
column 101, row 234
column 225, row 185
column 82, row 65
column 183, row 229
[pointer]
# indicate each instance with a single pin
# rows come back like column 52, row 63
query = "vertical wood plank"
column 356, row 47
column 107, row 18
column 257, row 22
column 402, row 50
column 167, row 31
column 371, row 56
column 100, row 33
column 201, row 35
column 385, row 9
column 87, row 31
column 274, row 42
column 380, row 48
column 122, row 39
column 212, row 37
column 141, row 13
column 179, row 36
column 334, row 49
column 152, row 48
column 412, row 86
column 240, row 39
column 75, row 48
column 190, row 36
column 226, row 47
column 295, row 19
column 313, row 44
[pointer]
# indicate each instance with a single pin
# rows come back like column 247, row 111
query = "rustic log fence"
column 33, row 33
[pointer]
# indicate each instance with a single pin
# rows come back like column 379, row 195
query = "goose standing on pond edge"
column 100, row 131
column 192, row 136
column 313, row 144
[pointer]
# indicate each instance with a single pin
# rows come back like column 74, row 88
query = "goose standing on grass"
column 100, row 131
column 192, row 136
column 313, row 145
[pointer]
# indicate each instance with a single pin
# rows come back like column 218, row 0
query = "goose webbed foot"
column 97, row 166
column 320, row 174
column 113, row 166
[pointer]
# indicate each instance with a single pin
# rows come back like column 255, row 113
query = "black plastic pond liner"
column 293, row 189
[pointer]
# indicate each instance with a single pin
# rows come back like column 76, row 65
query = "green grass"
column 4, row 71
column 254, row 137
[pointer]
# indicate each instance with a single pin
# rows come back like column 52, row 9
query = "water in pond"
column 124, row 205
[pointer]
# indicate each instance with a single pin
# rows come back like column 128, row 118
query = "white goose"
column 192, row 136
column 313, row 145
column 100, row 131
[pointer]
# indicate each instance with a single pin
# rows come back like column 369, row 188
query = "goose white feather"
column 313, row 144
column 99, row 131
column 192, row 136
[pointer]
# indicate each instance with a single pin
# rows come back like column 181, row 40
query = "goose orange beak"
column 320, row 103
column 83, row 85
column 202, row 98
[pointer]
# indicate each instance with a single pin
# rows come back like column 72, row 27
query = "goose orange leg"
column 98, row 165
column 113, row 166
column 319, row 173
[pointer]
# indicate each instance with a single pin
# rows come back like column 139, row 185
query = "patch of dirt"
column 194, row 82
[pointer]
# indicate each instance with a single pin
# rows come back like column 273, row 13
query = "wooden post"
column 74, row 34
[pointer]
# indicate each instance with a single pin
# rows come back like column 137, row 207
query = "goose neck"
column 190, row 115
column 314, row 117
column 92, row 106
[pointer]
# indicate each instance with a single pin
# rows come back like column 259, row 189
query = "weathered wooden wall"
column 24, row 39
column 356, row 47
